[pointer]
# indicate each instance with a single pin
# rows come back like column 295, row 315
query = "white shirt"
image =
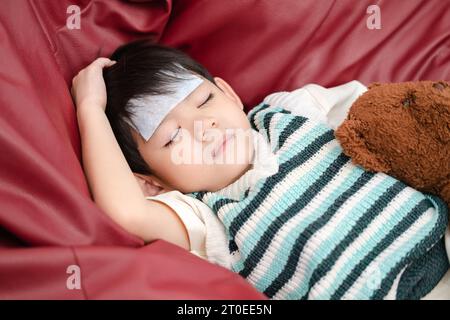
column 207, row 235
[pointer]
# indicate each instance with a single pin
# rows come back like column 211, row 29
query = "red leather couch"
column 48, row 221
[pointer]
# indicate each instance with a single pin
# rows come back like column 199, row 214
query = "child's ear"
column 228, row 91
column 149, row 186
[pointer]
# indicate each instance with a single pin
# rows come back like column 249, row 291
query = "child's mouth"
column 221, row 148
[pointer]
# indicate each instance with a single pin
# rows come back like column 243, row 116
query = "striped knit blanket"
column 324, row 228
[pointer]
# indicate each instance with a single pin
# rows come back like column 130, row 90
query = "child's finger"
column 104, row 62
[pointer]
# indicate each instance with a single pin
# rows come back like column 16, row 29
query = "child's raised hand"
column 88, row 86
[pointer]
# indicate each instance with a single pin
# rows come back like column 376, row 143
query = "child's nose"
column 207, row 126
column 210, row 123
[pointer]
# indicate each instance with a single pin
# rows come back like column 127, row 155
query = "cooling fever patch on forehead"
column 147, row 112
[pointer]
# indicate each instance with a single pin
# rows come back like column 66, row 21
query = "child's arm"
column 110, row 179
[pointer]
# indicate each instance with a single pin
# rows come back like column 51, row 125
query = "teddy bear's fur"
column 402, row 129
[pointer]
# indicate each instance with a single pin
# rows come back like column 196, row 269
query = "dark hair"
column 141, row 69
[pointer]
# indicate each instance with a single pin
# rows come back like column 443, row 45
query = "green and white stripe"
column 322, row 227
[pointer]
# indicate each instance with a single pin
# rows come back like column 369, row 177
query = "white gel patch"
column 149, row 111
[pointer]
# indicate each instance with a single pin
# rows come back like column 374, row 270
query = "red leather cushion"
column 47, row 219
column 266, row 46
column 156, row 271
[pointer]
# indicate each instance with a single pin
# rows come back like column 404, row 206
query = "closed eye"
column 211, row 95
column 173, row 137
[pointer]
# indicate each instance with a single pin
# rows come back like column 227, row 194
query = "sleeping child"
column 170, row 154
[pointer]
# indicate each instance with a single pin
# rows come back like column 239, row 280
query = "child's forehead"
column 149, row 111
column 192, row 98
column 199, row 90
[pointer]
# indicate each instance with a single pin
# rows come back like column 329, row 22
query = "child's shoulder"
column 263, row 109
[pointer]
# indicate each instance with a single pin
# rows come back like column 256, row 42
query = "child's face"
column 191, row 162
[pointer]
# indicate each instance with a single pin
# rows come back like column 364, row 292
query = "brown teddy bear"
column 403, row 130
